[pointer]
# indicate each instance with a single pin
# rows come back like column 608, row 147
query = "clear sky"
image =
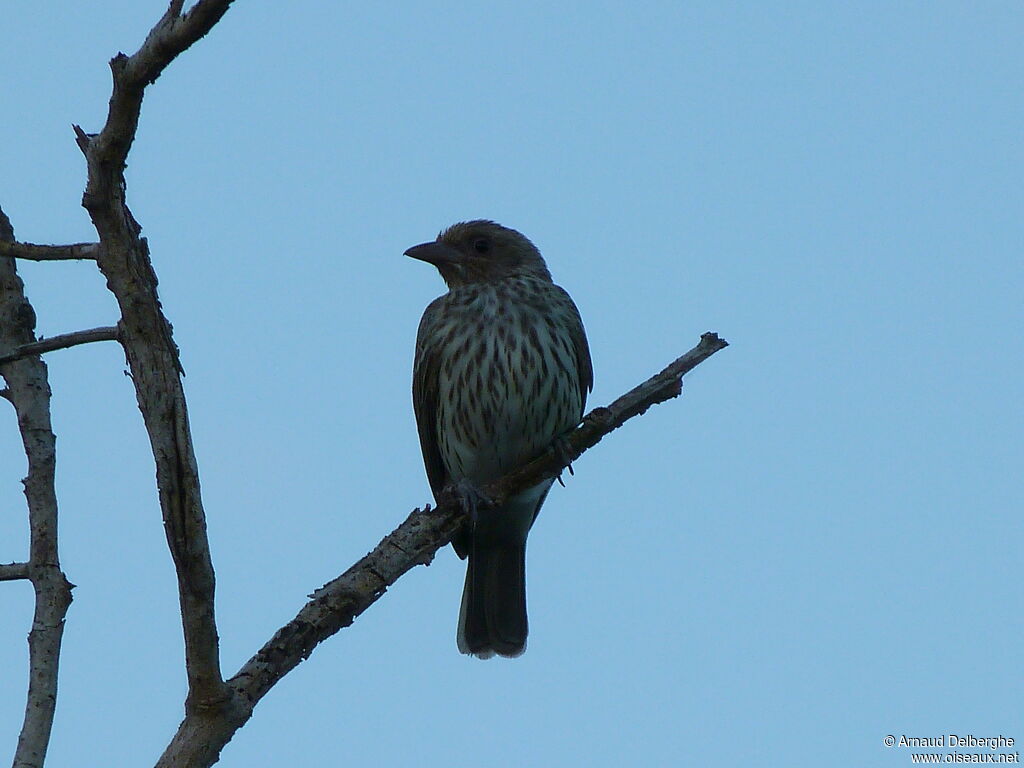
column 818, row 545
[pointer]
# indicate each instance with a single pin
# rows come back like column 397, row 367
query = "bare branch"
column 663, row 386
column 62, row 341
column 173, row 11
column 147, row 337
column 33, row 252
column 15, row 571
column 29, row 391
column 201, row 736
column 107, row 151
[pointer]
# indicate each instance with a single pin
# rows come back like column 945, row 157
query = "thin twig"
column 146, row 336
column 337, row 604
column 33, row 252
column 29, row 391
column 62, row 341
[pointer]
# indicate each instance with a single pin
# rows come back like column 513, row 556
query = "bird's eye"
column 481, row 245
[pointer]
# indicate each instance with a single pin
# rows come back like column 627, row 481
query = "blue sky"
column 816, row 546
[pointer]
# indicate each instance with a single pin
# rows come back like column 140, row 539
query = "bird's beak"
column 434, row 253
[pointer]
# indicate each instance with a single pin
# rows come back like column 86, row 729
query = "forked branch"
column 338, row 603
column 147, row 339
column 215, row 708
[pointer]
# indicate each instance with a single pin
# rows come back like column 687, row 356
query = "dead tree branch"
column 338, row 603
column 215, row 709
column 15, row 571
column 33, row 252
column 29, row 391
column 147, row 338
column 62, row 341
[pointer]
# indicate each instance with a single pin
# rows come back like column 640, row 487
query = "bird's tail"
column 493, row 615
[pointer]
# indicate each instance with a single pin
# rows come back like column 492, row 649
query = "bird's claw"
column 563, row 453
column 470, row 498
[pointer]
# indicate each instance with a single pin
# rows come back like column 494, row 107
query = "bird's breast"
column 507, row 385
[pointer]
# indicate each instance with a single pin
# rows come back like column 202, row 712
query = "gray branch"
column 147, row 338
column 62, row 341
column 202, row 735
column 15, row 571
column 33, row 252
column 29, row 391
column 215, row 709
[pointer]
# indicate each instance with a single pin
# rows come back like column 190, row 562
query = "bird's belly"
column 501, row 404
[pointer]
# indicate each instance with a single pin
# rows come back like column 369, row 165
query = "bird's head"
column 481, row 252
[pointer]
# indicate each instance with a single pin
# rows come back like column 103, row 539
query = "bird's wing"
column 425, row 374
column 584, row 365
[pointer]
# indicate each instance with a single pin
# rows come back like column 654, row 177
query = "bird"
column 502, row 369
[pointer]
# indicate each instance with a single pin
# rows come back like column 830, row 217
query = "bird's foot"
column 563, row 453
column 471, row 499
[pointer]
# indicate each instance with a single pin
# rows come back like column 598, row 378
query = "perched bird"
column 502, row 368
